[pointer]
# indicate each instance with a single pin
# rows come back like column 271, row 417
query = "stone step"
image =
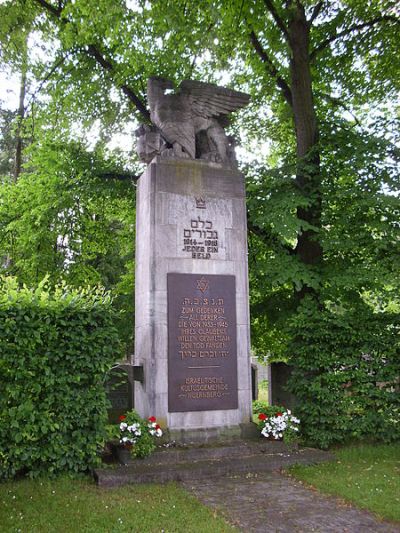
column 161, row 467
column 191, row 454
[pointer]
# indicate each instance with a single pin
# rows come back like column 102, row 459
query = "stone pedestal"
column 192, row 302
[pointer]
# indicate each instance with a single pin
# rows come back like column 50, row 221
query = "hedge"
column 55, row 349
column 346, row 374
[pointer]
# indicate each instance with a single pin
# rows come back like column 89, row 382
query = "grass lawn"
column 366, row 475
column 66, row 505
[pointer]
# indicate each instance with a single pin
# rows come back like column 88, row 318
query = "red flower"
column 152, row 419
column 262, row 416
column 122, row 418
column 158, row 427
column 278, row 414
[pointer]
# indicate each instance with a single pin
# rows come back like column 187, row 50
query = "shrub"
column 346, row 371
column 55, row 348
column 260, row 406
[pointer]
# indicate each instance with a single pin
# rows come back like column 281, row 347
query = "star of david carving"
column 202, row 284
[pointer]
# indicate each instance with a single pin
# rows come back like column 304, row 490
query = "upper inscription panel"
column 202, row 355
column 201, row 223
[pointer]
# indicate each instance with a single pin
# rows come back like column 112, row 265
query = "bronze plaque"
column 202, row 358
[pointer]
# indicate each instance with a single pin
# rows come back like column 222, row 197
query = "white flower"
column 123, row 426
column 276, row 426
column 158, row 432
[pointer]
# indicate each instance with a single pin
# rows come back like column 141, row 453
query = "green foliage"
column 55, row 349
column 57, row 220
column 346, row 367
column 269, row 410
column 260, row 406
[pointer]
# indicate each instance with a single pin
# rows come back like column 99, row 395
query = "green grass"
column 366, row 475
column 66, row 505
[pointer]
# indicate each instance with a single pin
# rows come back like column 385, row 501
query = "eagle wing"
column 181, row 133
column 172, row 116
column 209, row 100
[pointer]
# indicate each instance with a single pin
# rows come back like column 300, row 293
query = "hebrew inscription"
column 201, row 240
column 202, row 225
column 202, row 360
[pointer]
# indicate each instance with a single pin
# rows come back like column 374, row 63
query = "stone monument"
column 191, row 289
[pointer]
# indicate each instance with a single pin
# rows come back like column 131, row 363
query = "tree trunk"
column 20, row 118
column 308, row 179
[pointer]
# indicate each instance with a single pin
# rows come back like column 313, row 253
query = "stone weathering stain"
column 202, row 357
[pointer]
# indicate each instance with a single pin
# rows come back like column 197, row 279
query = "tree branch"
column 46, row 78
column 122, row 176
column 279, row 22
column 107, row 65
column 351, row 29
column 339, row 103
column 316, row 11
column 49, row 7
column 282, row 84
column 266, row 237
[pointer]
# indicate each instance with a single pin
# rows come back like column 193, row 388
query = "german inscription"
column 202, row 359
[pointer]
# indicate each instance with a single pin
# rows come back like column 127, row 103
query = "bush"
column 346, row 371
column 55, row 349
column 260, row 406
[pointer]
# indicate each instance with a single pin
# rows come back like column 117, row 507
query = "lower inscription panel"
column 202, row 355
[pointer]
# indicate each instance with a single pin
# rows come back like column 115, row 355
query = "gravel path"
column 272, row 502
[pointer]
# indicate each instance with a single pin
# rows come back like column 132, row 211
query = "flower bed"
column 136, row 434
column 277, row 423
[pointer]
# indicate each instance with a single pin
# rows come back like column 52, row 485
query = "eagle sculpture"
column 191, row 121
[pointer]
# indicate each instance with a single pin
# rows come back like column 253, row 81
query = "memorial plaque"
column 202, row 357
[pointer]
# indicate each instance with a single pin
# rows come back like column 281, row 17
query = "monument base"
column 214, row 436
